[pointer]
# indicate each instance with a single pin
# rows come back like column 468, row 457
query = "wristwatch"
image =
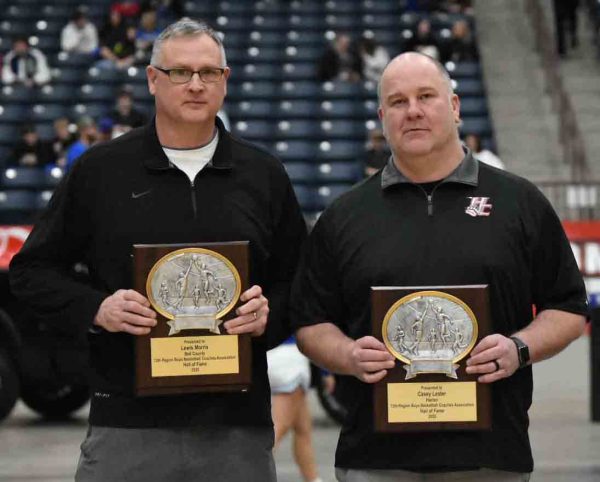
column 522, row 351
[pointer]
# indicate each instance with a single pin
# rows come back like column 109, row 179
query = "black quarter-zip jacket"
column 126, row 192
column 479, row 225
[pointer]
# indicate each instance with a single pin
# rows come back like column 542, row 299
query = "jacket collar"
column 156, row 159
column 467, row 172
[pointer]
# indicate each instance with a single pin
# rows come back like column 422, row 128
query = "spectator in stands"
column 63, row 138
column 125, row 116
column 473, row 142
column 105, row 129
column 462, row 46
column 31, row 151
column 340, row 61
column 565, row 21
column 145, row 36
column 25, row 65
column 166, row 10
column 88, row 135
column 423, row 40
column 377, row 153
column 79, row 35
column 129, row 9
column 117, row 43
column 374, row 58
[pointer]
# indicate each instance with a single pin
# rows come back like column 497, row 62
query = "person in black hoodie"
column 180, row 179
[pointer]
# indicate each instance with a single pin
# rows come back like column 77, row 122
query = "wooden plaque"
column 420, row 325
column 193, row 288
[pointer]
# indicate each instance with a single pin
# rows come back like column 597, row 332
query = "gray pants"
column 483, row 475
column 195, row 454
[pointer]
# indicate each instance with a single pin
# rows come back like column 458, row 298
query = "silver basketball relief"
column 193, row 287
column 430, row 331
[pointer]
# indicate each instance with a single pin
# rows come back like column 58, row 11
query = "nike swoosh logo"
column 135, row 195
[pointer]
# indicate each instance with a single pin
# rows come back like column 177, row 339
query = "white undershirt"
column 192, row 161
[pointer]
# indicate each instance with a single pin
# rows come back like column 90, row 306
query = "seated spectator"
column 462, row 46
column 340, row 61
column 105, row 129
column 127, row 8
column 374, row 59
column 31, row 151
column 145, row 36
column 166, row 10
column 25, row 64
column 377, row 152
column 88, row 135
column 125, row 116
column 79, row 35
column 423, row 40
column 117, row 43
column 63, row 138
column 473, row 142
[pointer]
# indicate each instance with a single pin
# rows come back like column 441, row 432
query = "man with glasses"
column 180, row 179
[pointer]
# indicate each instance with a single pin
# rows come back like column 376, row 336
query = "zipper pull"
column 430, row 204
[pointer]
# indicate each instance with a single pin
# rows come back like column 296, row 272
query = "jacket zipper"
column 193, row 193
column 430, row 198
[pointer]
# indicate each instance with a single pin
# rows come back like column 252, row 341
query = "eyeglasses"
column 208, row 75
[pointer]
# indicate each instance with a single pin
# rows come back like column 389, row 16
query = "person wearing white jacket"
column 25, row 64
column 79, row 35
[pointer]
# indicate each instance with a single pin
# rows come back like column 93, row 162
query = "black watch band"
column 522, row 351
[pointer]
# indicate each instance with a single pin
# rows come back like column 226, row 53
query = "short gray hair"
column 186, row 27
column 442, row 70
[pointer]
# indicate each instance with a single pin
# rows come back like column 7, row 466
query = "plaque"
column 431, row 331
column 193, row 289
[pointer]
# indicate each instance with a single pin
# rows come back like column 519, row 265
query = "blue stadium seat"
column 17, row 207
column 459, row 70
column 10, row 29
column 306, row 196
column 95, row 110
column 381, row 21
column 254, row 129
column 325, row 195
column 270, row 22
column 69, row 59
column 305, row 90
column 476, row 125
column 96, row 75
column 264, row 55
column 469, row 87
column 299, row 71
column 306, row 38
column 9, row 134
column 340, row 90
column 140, row 92
column 49, row 27
column 135, row 75
column 339, row 150
column 18, row 94
column 47, row 112
column 21, row 12
column 303, row 53
column 308, row 22
column 53, row 175
column 259, row 72
column 57, row 11
column 300, row 172
column 265, row 38
column 10, row 113
column 49, row 44
column 234, row 40
column 295, row 150
column 295, row 129
column 23, row 178
column 59, row 93
column 250, row 109
column 342, row 129
column 297, row 109
column 332, row 172
column 257, row 90
column 473, row 106
column 45, row 130
column 67, row 75
column 342, row 109
column 95, row 93
column 342, row 22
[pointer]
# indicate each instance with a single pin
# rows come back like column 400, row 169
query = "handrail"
column 569, row 134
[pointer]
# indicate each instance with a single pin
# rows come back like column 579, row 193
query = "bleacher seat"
column 58, row 93
column 17, row 206
column 305, row 90
column 251, row 109
column 95, row 93
column 95, row 110
column 12, row 113
column 296, row 129
column 18, row 94
column 333, row 172
column 9, row 134
column 259, row 72
column 254, row 129
column 300, row 172
column 295, row 150
column 299, row 71
column 52, row 176
column 338, row 150
column 67, row 75
column 341, row 129
column 306, row 196
column 23, row 178
column 476, row 125
column 297, row 108
column 325, row 195
column 46, row 112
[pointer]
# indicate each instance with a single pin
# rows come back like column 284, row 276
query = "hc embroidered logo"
column 479, row 207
